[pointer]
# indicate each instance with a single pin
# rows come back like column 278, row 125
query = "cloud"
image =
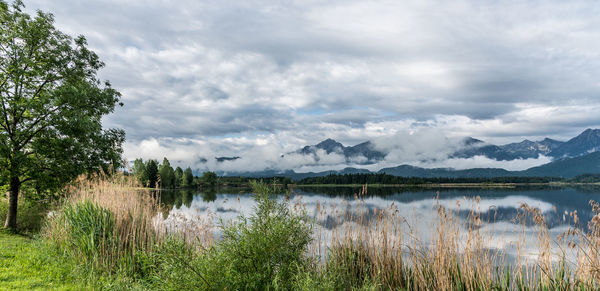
column 302, row 71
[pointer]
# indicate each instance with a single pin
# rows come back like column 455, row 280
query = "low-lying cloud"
column 426, row 148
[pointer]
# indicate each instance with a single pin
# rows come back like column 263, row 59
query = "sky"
column 259, row 79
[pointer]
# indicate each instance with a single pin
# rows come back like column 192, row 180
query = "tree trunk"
column 13, row 196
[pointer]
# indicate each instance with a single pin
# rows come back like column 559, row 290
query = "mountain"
column 579, row 155
column 586, row 142
column 531, row 149
column 329, row 145
column 363, row 153
column 474, row 147
column 567, row 167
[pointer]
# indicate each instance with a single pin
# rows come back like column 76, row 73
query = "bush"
column 89, row 231
column 30, row 216
column 264, row 251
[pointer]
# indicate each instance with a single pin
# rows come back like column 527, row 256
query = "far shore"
column 453, row 185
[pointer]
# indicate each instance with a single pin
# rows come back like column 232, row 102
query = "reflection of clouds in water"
column 417, row 218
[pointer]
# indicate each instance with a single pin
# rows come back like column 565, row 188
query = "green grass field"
column 28, row 264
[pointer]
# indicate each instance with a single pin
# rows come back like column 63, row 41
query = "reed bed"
column 110, row 222
column 105, row 221
column 380, row 245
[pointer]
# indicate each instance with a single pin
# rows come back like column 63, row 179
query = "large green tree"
column 188, row 178
column 209, row 178
column 167, row 174
column 139, row 172
column 178, row 177
column 152, row 173
column 52, row 103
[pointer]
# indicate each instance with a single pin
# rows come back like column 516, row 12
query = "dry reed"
column 384, row 247
column 132, row 209
column 376, row 244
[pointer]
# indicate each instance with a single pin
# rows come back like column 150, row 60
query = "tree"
column 152, row 173
column 52, row 104
column 188, row 178
column 178, row 177
column 209, row 178
column 139, row 171
column 167, row 175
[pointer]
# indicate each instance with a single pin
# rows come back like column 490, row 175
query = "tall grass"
column 381, row 248
column 105, row 222
column 108, row 224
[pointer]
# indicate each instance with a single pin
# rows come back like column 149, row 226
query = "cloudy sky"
column 262, row 78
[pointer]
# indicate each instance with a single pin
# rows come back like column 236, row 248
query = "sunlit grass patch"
column 27, row 264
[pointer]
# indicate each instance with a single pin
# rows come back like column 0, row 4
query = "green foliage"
column 349, row 266
column 188, row 178
column 31, row 216
column 52, row 106
column 152, row 173
column 167, row 175
column 264, row 251
column 178, row 177
column 209, row 178
column 173, row 265
column 90, row 229
column 139, row 171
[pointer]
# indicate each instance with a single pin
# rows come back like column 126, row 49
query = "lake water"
column 333, row 207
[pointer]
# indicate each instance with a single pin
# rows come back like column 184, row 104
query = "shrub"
column 30, row 216
column 264, row 251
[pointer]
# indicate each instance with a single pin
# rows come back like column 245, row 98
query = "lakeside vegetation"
column 112, row 231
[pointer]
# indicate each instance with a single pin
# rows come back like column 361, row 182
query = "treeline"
column 152, row 174
column 397, row 180
column 237, row 181
column 586, row 178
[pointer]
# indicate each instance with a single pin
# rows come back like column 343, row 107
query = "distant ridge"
column 586, row 142
column 564, row 168
column 577, row 156
column 363, row 153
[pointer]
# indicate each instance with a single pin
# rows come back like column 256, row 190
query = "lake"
column 498, row 211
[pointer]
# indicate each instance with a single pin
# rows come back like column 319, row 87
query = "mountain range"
column 577, row 156
column 563, row 168
column 586, row 142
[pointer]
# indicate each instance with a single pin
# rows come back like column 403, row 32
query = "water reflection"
column 333, row 207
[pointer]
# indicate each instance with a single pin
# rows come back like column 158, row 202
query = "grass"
column 28, row 264
column 110, row 236
column 105, row 224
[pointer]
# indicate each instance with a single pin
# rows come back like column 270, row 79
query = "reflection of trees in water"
column 567, row 198
column 593, row 189
column 184, row 197
column 386, row 191
column 209, row 194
